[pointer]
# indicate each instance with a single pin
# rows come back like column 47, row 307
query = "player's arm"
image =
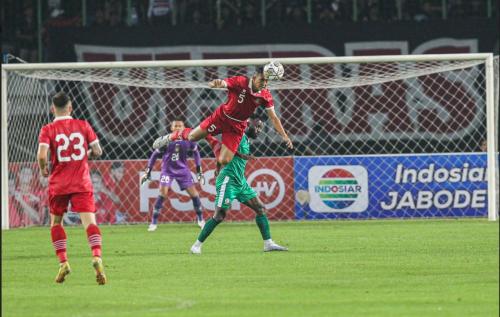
column 197, row 162
column 95, row 150
column 149, row 168
column 279, row 127
column 42, row 156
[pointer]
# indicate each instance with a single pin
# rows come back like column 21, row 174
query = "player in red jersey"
column 230, row 119
column 69, row 140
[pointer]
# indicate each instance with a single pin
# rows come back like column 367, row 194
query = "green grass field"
column 334, row 268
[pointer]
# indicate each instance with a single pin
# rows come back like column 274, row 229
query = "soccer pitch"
column 334, row 268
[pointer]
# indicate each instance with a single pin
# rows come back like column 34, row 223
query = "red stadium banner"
column 119, row 198
column 274, row 186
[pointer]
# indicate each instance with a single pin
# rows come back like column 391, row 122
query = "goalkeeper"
column 174, row 167
column 231, row 184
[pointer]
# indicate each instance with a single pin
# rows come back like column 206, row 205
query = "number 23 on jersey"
column 74, row 142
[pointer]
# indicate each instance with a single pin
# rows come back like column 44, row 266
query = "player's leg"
column 230, row 143
column 225, row 193
column 188, row 134
column 208, row 228
column 195, row 134
column 193, row 193
column 58, row 206
column 165, row 183
column 225, row 156
column 94, row 239
column 262, row 222
column 83, row 203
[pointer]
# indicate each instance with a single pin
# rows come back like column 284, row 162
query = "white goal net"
column 374, row 137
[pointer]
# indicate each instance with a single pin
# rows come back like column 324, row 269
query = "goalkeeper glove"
column 146, row 177
column 199, row 175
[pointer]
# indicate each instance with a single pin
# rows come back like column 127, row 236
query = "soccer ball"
column 274, row 71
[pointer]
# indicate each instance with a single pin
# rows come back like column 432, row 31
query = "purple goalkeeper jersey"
column 175, row 156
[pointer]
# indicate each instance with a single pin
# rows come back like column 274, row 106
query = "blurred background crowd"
column 25, row 22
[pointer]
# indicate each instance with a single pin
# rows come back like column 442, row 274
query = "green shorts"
column 228, row 189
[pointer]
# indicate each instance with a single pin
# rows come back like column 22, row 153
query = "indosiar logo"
column 338, row 188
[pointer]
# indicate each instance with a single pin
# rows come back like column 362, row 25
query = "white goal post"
column 339, row 111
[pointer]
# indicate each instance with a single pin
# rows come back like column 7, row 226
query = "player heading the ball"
column 68, row 140
column 244, row 95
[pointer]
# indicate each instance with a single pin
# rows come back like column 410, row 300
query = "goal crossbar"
column 250, row 61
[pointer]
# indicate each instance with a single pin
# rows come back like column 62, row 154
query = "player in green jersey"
column 232, row 184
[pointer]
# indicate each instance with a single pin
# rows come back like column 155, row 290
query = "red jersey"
column 68, row 140
column 242, row 101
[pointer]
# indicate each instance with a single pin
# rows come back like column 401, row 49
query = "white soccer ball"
column 274, row 70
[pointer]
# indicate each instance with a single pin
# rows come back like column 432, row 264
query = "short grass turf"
column 334, row 268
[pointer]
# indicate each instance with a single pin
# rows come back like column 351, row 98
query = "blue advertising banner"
column 444, row 185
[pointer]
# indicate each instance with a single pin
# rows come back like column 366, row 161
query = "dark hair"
column 260, row 69
column 60, row 100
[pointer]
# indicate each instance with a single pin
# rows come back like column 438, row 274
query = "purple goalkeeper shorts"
column 184, row 181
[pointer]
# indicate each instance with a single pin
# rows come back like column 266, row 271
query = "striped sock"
column 94, row 239
column 59, row 242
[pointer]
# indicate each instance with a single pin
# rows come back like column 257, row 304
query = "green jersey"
column 236, row 168
column 231, row 183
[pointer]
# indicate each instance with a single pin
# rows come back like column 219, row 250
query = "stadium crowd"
column 20, row 19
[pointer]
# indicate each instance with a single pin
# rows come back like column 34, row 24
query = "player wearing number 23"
column 69, row 141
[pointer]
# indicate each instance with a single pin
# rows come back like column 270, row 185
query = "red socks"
column 185, row 133
column 95, row 240
column 59, row 241
column 180, row 135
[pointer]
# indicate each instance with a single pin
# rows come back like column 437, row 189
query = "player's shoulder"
column 265, row 93
column 80, row 122
column 240, row 80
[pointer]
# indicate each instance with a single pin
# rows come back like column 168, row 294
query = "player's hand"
column 217, row 170
column 146, row 177
column 217, row 83
column 201, row 178
column 199, row 175
column 45, row 171
column 288, row 142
